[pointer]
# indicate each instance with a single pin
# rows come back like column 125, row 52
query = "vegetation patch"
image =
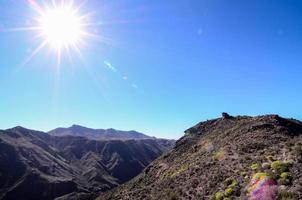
column 231, row 187
column 219, row 155
column 218, row 196
column 285, row 178
column 182, row 168
column 243, row 174
column 254, row 166
column 280, row 166
column 228, row 192
column 230, row 183
column 174, row 172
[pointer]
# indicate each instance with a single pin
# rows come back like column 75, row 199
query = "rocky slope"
column 256, row 158
column 99, row 134
column 36, row 165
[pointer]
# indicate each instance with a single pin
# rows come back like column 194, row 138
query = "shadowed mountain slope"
column 98, row 134
column 36, row 165
column 241, row 157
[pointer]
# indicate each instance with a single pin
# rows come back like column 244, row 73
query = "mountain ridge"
column 230, row 157
column 34, row 161
column 103, row 134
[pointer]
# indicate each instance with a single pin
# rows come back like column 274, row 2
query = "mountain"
column 98, row 134
column 256, row 158
column 35, row 165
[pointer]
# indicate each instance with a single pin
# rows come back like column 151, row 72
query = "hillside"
column 36, row 165
column 256, row 158
column 98, row 134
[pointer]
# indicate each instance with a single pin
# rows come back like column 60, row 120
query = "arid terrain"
column 36, row 165
column 226, row 158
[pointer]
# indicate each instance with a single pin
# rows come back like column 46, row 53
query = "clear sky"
column 158, row 67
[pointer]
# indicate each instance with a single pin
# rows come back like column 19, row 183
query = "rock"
column 266, row 165
column 226, row 116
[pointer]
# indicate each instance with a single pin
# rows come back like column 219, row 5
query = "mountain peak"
column 20, row 129
column 76, row 126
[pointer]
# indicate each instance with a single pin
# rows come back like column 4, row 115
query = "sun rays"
column 60, row 27
column 61, row 34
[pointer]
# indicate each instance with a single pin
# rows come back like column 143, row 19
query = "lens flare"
column 262, row 187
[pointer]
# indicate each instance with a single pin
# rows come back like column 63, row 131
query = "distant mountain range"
column 35, row 165
column 99, row 134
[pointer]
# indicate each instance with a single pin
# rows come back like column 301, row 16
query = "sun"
column 61, row 26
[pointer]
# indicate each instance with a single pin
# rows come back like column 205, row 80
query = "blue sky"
column 165, row 65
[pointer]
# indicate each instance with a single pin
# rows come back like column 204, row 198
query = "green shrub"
column 285, row 178
column 218, row 196
column 280, row 166
column 228, row 192
column 166, row 174
column 254, row 166
column 234, row 184
column 285, row 175
column 243, row 174
column 219, row 155
column 182, row 168
column 230, row 183
column 259, row 175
